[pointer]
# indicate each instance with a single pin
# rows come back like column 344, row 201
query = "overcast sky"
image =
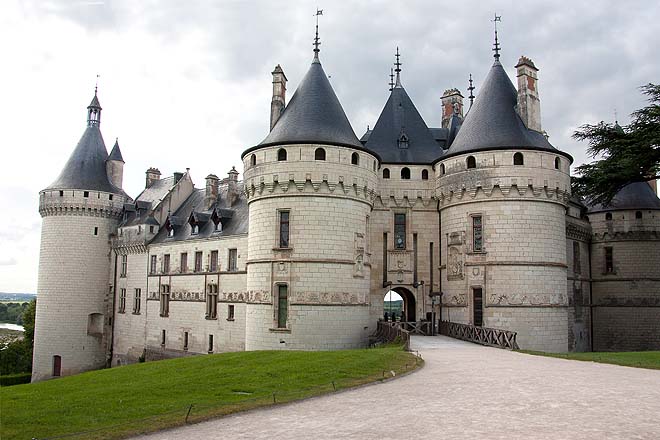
column 188, row 83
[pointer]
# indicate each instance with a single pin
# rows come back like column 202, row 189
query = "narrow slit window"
column 609, row 260
column 198, row 261
column 284, row 229
column 477, row 233
column 233, row 263
column 399, row 231
column 184, row 262
column 282, row 306
column 210, row 343
column 214, row 261
column 230, row 312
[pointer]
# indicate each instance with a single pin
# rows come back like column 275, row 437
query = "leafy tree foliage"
column 623, row 154
column 16, row 357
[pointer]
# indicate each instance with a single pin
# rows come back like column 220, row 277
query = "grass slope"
column 639, row 359
column 215, row 385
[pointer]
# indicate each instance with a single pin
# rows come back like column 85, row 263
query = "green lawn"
column 639, row 359
column 116, row 401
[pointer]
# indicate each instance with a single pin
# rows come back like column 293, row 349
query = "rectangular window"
column 162, row 337
column 152, row 265
column 151, row 229
column 212, row 302
column 137, row 300
column 185, row 340
column 233, row 264
column 210, row 343
column 198, row 261
column 124, row 266
column 85, row 193
column 122, row 300
column 284, row 229
column 477, row 234
column 399, row 231
column 96, row 230
column 164, row 300
column 184, row 262
column 576, row 258
column 477, row 304
column 213, row 264
column 282, row 306
column 609, row 260
column 166, row 263
column 230, row 312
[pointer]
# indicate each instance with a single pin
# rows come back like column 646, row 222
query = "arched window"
column 608, row 216
column 386, row 173
column 471, row 162
column 638, row 215
column 355, row 159
column 319, row 154
column 253, row 160
column 518, row 159
column 281, row 154
column 425, row 174
column 557, row 163
column 405, row 173
column 442, row 169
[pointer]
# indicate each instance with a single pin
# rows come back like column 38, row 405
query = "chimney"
column 278, row 102
column 153, row 174
column 452, row 102
column 212, row 182
column 232, row 190
column 529, row 104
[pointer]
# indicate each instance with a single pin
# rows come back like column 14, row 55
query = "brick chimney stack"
column 529, row 104
column 452, row 102
column 212, row 183
column 232, row 189
column 278, row 102
column 153, row 174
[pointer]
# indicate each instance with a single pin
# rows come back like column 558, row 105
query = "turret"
column 529, row 105
column 278, row 102
column 115, row 166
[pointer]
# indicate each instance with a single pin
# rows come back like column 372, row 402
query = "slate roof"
column 85, row 168
column 115, row 154
column 399, row 117
column 139, row 212
column 314, row 115
column 634, row 196
column 493, row 123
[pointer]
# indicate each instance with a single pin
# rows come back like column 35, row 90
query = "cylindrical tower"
column 80, row 210
column 310, row 187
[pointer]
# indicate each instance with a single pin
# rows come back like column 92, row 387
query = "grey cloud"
column 7, row 261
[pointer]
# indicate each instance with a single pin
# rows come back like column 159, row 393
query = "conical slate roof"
column 493, row 123
column 634, row 196
column 400, row 118
column 115, row 154
column 85, row 168
column 314, row 115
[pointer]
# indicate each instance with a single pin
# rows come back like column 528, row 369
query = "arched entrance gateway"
column 400, row 303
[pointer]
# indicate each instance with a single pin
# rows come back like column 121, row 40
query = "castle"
column 472, row 221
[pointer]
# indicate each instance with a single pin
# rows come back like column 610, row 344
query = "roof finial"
column 317, row 40
column 398, row 68
column 391, row 83
column 616, row 117
column 496, row 47
column 471, row 89
column 96, row 86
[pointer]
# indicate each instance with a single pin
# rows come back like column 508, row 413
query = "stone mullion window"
column 124, row 266
column 122, row 300
column 609, row 260
column 212, row 302
column 232, row 261
column 184, row 262
column 284, row 228
column 198, row 261
column 477, row 233
column 137, row 300
column 165, row 300
column 213, row 265
column 153, row 264
column 282, row 310
column 166, row 263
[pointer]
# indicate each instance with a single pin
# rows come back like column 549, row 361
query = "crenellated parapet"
column 81, row 203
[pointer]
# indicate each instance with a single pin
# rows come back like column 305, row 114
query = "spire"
column 496, row 46
column 317, row 40
column 94, row 111
column 398, row 68
column 391, row 83
column 115, row 153
column 471, row 89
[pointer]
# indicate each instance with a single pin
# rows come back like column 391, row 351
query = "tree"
column 623, row 154
column 16, row 357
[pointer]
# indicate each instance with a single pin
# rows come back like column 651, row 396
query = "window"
column 139, row 230
column 198, row 261
column 96, row 230
column 282, row 306
column 477, row 234
column 184, row 262
column 194, row 229
column 609, row 260
column 214, row 261
column 319, row 154
column 166, row 263
column 185, row 340
column 403, row 141
column 386, row 173
column 233, row 266
column 405, row 173
column 399, row 231
column 355, row 159
column 61, row 193
column 164, row 300
column 151, row 229
column 557, row 163
column 442, row 169
column 253, row 160
column 608, row 216
column 152, row 264
column 110, row 197
column 471, row 162
column 374, row 165
column 170, row 231
column 281, row 154
column 230, row 312
column 477, row 304
column 122, row 300
column 162, row 337
column 210, row 343
column 85, row 193
column 124, row 266
column 576, row 258
column 137, row 300
column 425, row 174
column 518, row 159
column 212, row 302
column 638, row 215
column 284, row 229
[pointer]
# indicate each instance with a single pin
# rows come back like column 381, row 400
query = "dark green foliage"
column 624, row 154
column 12, row 312
column 16, row 357
column 15, row 379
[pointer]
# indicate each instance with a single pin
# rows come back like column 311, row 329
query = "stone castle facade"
column 472, row 221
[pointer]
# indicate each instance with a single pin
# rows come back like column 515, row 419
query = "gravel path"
column 465, row 391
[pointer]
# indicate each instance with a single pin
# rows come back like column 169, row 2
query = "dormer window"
column 195, row 229
column 170, row 232
column 403, row 141
column 217, row 224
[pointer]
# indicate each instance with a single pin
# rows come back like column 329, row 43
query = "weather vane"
column 471, row 89
column 391, row 84
column 96, row 86
column 496, row 48
column 317, row 40
column 398, row 67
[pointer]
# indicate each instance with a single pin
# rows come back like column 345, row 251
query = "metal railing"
column 481, row 335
